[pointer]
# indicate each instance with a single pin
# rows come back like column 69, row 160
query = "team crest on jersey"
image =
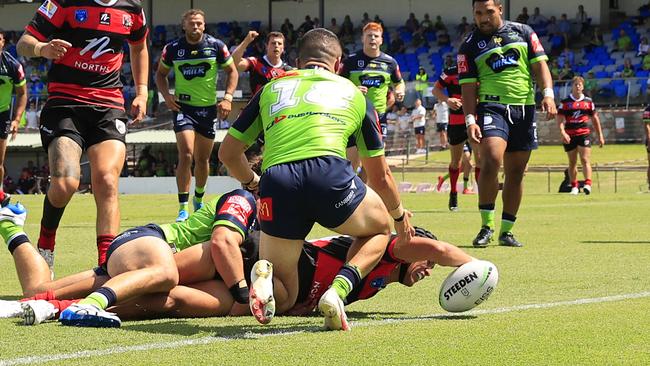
column 181, row 53
column 384, row 66
column 207, row 52
column 360, row 63
column 482, row 44
column 105, row 18
column 194, row 52
column 81, row 15
column 378, row 283
column 127, row 21
column 48, row 9
column 497, row 41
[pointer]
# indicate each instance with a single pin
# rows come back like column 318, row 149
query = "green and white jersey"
column 11, row 75
column 309, row 113
column 375, row 73
column 236, row 209
column 195, row 67
column 501, row 63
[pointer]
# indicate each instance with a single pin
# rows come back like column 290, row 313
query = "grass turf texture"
column 575, row 247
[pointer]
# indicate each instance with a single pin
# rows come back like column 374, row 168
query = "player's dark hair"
column 424, row 233
column 496, row 2
column 320, row 45
column 274, row 34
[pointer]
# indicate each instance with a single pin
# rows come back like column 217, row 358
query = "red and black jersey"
column 576, row 113
column 89, row 72
column 448, row 80
column 262, row 71
column 321, row 261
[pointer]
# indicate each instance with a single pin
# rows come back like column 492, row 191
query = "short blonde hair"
column 192, row 12
column 578, row 79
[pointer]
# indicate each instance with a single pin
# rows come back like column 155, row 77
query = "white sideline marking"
column 251, row 335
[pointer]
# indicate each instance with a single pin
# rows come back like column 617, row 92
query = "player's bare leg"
column 585, row 160
column 185, row 146
column 514, row 166
column 106, row 162
column 63, row 156
column 202, row 151
column 492, row 150
column 573, row 171
column 454, row 172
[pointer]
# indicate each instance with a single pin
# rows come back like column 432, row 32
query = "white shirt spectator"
column 391, row 120
column 418, row 115
column 32, row 117
column 403, row 121
column 442, row 112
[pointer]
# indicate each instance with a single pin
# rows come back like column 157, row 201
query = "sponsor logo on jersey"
column 100, row 46
column 194, row 71
column 499, row 62
column 48, row 9
column 537, row 45
column 371, row 81
column 266, row 209
column 127, row 21
column 105, row 18
column 462, row 63
column 237, row 206
column 81, row 15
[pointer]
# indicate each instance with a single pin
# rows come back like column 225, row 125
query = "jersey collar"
column 110, row 3
column 577, row 100
column 277, row 66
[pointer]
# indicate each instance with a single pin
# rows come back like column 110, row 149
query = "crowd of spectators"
column 31, row 180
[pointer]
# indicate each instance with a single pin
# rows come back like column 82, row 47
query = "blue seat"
column 601, row 74
column 643, row 74
column 255, row 24
column 620, row 91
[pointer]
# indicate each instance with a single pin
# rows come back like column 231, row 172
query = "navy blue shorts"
column 294, row 196
column 199, row 119
column 383, row 124
column 132, row 234
column 513, row 123
column 419, row 130
column 582, row 140
column 5, row 124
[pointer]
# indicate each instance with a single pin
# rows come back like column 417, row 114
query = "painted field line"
column 263, row 334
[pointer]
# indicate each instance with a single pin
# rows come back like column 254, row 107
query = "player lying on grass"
column 318, row 265
column 139, row 261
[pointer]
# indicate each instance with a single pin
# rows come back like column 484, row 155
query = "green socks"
column 345, row 281
column 9, row 230
column 487, row 218
column 96, row 299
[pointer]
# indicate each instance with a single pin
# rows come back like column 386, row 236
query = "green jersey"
column 195, row 67
column 236, row 210
column 11, row 75
column 306, row 114
column 501, row 63
column 375, row 73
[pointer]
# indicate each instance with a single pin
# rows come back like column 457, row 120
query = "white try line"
column 262, row 334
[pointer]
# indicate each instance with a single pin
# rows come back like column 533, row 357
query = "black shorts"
column 456, row 134
column 441, row 127
column 294, row 196
column 513, row 123
column 647, row 145
column 199, row 119
column 383, row 124
column 86, row 125
column 419, row 130
column 128, row 235
column 5, row 124
column 582, row 140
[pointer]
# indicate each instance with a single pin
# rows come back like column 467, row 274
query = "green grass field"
column 577, row 293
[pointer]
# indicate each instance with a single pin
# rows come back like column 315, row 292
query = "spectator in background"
column 644, row 47
column 523, row 17
column 596, row 39
column 26, row 182
column 378, row 20
column 418, row 117
column 463, row 27
column 582, row 19
column 623, row 43
column 365, row 19
column 427, row 24
column 444, row 39
column 36, row 87
column 567, row 56
column 591, row 85
column 552, row 28
column 628, row 69
column 333, row 27
column 566, row 72
column 161, row 165
column 441, row 116
column 537, row 19
column 235, row 29
column 403, row 123
column 289, row 33
column 8, row 184
column 146, row 163
column 565, row 29
column 307, row 25
column 391, row 122
column 646, row 62
column 440, row 26
column 397, row 44
column 554, row 67
column 412, row 24
column 347, row 30
column 32, row 115
column 421, row 83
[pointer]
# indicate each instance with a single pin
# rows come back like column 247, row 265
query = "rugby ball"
column 468, row 286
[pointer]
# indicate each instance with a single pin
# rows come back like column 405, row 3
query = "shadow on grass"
column 616, row 241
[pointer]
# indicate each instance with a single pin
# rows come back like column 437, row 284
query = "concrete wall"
column 167, row 185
